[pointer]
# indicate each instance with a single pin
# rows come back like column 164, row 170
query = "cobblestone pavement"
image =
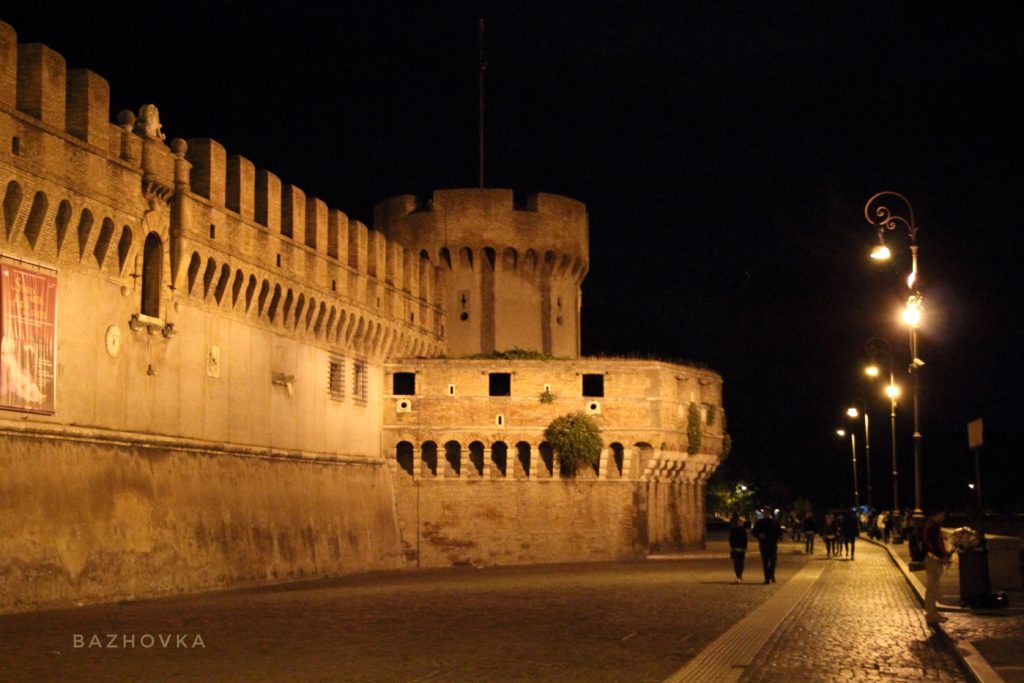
column 860, row 621
column 628, row 621
column 998, row 635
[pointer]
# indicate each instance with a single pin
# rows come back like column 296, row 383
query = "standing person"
column 767, row 532
column 850, row 531
column 828, row 533
column 889, row 524
column 810, row 527
column 936, row 559
column 880, row 521
column 737, row 545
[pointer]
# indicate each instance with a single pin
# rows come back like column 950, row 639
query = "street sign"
column 974, row 435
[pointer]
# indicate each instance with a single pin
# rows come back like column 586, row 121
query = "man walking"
column 767, row 532
column 936, row 558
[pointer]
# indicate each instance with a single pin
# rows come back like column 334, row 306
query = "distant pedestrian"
column 936, row 559
column 810, row 527
column 890, row 524
column 850, row 530
column 767, row 532
column 737, row 545
column 830, row 531
column 879, row 526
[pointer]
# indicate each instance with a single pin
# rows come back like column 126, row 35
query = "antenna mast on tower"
column 483, row 67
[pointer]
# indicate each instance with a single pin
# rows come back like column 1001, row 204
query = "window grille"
column 359, row 382
column 336, row 377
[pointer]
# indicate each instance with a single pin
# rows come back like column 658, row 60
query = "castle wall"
column 100, row 517
column 514, row 266
column 476, row 481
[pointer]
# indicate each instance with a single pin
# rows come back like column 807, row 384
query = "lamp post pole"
column 879, row 211
column 853, row 414
column 853, row 453
column 877, row 346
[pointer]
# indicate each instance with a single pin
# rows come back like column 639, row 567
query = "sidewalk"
column 997, row 636
column 835, row 620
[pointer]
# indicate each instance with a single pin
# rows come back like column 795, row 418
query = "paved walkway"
column 837, row 620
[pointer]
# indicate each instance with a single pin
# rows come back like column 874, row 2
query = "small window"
column 213, row 231
column 359, row 382
column 593, row 386
column 279, row 260
column 451, row 389
column 403, row 384
column 336, row 377
column 16, row 146
column 500, row 384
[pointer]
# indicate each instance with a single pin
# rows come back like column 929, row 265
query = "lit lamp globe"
column 871, row 371
column 852, row 412
column 892, row 391
column 880, row 253
column 912, row 315
column 841, row 432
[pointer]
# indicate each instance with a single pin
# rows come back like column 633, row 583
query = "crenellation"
column 209, row 168
column 88, row 107
column 42, row 84
column 241, row 187
column 316, row 224
column 293, row 210
column 376, row 255
column 357, row 236
column 267, row 205
column 337, row 235
column 8, row 66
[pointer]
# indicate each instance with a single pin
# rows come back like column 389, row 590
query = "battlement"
column 226, row 210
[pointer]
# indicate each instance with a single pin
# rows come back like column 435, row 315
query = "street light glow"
column 841, row 432
column 880, row 253
column 912, row 315
column 852, row 412
column 871, row 371
column 892, row 391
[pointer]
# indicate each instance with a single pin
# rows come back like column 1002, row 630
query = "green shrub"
column 712, row 414
column 546, row 397
column 577, row 440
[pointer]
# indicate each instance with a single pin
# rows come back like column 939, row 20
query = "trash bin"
column 974, row 579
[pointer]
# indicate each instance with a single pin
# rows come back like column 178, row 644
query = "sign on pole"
column 974, row 434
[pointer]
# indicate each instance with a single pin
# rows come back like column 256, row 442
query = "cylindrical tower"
column 513, row 268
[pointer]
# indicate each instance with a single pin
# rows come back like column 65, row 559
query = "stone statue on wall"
column 148, row 122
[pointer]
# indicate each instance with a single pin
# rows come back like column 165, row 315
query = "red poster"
column 28, row 318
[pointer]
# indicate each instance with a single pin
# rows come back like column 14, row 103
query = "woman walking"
column 809, row 527
column 737, row 545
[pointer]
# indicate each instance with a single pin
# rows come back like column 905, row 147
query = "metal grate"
column 336, row 377
column 359, row 381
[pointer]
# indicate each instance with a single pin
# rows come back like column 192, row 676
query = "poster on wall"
column 28, row 317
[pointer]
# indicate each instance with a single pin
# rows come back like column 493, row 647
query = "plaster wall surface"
column 94, row 519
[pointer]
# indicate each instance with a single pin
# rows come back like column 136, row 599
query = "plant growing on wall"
column 694, row 429
column 712, row 414
column 546, row 397
column 577, row 440
column 726, row 446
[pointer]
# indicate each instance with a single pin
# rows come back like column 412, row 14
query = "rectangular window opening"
column 359, row 382
column 336, row 377
column 500, row 384
column 593, row 386
column 403, row 384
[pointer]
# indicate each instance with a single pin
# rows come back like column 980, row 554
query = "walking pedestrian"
column 936, row 559
column 831, row 534
column 767, row 532
column 737, row 545
column 890, row 523
column 810, row 527
column 850, row 531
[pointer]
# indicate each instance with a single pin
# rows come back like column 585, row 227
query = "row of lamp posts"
column 889, row 210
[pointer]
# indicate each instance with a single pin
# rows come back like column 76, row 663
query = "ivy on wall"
column 694, row 429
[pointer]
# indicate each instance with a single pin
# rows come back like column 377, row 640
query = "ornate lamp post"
column 853, row 414
column 887, row 210
column 853, row 450
column 876, row 348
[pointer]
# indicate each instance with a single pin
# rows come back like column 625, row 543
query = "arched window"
column 152, row 269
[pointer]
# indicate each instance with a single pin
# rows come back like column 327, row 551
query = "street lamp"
column 879, row 210
column 853, row 414
column 853, row 450
column 877, row 348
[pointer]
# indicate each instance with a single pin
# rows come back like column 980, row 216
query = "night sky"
column 725, row 152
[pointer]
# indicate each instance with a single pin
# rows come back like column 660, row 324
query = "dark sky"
column 725, row 152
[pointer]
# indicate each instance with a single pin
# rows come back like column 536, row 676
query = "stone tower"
column 513, row 267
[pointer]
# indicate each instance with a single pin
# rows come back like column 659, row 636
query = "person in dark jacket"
column 737, row 545
column 850, row 530
column 810, row 528
column 767, row 532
